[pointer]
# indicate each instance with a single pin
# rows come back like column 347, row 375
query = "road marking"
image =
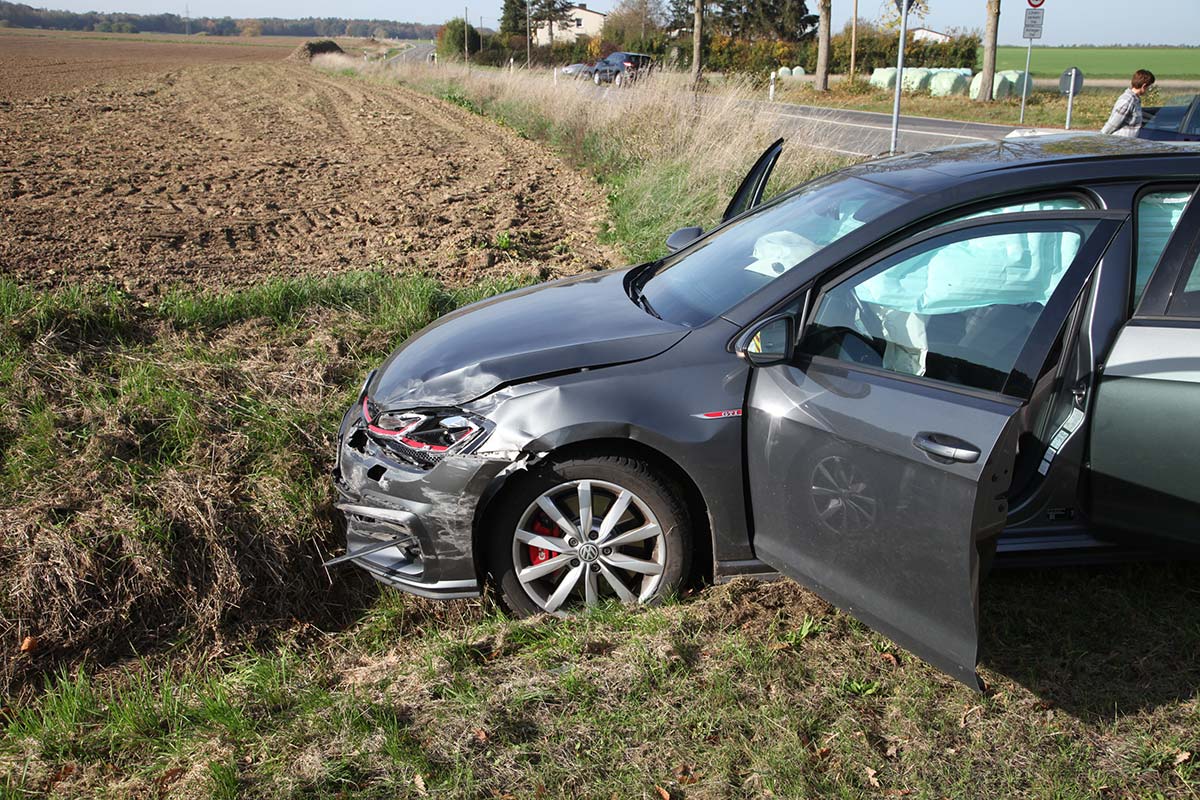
column 830, row 120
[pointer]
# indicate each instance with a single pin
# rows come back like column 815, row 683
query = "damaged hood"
column 585, row 321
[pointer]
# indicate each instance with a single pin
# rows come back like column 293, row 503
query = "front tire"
column 575, row 533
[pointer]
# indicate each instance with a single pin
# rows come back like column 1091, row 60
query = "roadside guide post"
column 902, row 6
column 1034, row 16
column 771, row 91
column 1069, row 83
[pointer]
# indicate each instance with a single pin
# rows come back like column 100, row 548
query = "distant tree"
column 988, row 73
column 634, row 20
column 889, row 15
column 450, row 39
column 786, row 20
column 512, row 17
column 550, row 12
column 249, row 27
column 679, row 15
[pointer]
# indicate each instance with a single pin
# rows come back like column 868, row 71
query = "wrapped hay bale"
column 883, row 78
column 1002, row 87
column 1021, row 81
column 916, row 80
column 948, row 83
column 783, row 72
column 798, row 72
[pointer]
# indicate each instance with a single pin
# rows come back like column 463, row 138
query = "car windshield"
column 704, row 281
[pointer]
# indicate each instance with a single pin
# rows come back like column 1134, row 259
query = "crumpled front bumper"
column 411, row 526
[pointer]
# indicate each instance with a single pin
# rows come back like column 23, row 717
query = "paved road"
column 867, row 133
column 418, row 53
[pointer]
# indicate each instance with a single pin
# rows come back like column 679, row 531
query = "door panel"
column 879, row 459
column 845, row 502
column 1146, row 433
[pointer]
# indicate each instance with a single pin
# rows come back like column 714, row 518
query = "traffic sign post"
column 1034, row 16
column 902, row 6
column 1070, row 83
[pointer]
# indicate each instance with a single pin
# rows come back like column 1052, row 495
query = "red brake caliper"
column 539, row 554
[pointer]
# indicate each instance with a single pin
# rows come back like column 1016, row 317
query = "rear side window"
column 1186, row 300
column 1157, row 215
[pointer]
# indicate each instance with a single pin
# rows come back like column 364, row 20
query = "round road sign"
column 1036, row 3
column 1072, row 74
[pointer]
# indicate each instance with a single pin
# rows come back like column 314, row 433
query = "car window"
column 958, row 308
column 705, row 280
column 1186, row 301
column 1157, row 215
column 1193, row 125
column 1168, row 118
column 1066, row 203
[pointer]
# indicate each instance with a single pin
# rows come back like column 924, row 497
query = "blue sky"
column 1067, row 21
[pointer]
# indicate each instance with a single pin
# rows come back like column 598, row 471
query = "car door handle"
column 947, row 447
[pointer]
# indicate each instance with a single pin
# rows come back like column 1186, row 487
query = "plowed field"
column 223, row 174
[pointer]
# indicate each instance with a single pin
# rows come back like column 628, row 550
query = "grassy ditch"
column 164, row 470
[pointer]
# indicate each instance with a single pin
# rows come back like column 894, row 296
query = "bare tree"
column 824, row 11
column 988, row 75
column 697, row 21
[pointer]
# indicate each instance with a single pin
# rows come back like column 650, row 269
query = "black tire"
column 659, row 495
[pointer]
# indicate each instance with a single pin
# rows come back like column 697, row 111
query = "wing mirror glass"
column 771, row 342
column 683, row 237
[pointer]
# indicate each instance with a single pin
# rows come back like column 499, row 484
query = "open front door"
column 883, row 451
column 750, row 193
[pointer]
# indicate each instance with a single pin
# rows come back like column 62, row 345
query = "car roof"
column 1097, row 157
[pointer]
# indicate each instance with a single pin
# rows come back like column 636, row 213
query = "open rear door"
column 882, row 453
column 750, row 193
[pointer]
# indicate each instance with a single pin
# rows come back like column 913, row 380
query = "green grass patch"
column 1181, row 63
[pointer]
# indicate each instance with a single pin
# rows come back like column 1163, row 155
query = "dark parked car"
column 865, row 383
column 1179, row 120
column 620, row 68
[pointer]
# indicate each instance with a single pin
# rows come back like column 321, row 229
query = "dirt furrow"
column 221, row 175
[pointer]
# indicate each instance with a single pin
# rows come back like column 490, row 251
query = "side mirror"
column 683, row 237
column 773, row 341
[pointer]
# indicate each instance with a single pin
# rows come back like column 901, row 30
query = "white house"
column 582, row 21
column 927, row 35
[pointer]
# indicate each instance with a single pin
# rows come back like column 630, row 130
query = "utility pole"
column 697, row 21
column 187, row 20
column 528, row 34
column 466, row 38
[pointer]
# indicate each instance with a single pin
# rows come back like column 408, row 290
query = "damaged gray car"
column 872, row 383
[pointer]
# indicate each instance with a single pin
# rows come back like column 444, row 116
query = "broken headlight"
column 424, row 435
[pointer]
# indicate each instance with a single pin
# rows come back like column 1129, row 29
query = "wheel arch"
column 702, row 540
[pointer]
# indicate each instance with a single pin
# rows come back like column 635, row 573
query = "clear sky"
column 1067, row 21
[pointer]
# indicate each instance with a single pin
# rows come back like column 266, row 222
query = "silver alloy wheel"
column 841, row 496
column 595, row 540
